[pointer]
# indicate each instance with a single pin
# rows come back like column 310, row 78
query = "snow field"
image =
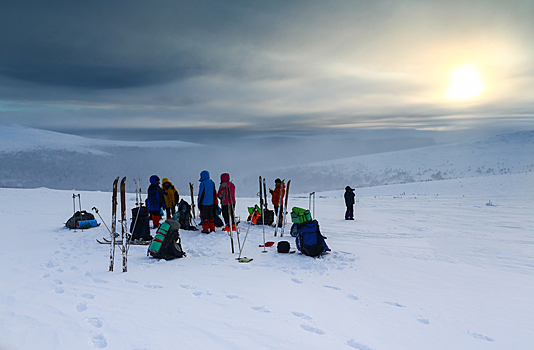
column 423, row 266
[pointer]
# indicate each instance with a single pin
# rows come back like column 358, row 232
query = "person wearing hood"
column 171, row 197
column 206, row 202
column 155, row 200
column 349, row 202
column 278, row 200
column 227, row 196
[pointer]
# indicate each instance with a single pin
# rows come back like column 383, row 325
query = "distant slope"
column 502, row 154
column 16, row 138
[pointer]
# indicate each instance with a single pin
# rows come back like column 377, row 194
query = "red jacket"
column 277, row 197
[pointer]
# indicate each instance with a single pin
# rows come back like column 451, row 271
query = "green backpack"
column 300, row 215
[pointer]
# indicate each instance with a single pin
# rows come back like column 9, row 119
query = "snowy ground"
column 427, row 265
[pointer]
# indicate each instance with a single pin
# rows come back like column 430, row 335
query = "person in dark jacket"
column 349, row 202
column 207, row 201
column 155, row 200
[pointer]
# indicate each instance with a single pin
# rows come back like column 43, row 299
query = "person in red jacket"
column 278, row 200
column 227, row 196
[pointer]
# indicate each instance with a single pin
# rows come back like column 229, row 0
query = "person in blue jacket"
column 155, row 200
column 207, row 202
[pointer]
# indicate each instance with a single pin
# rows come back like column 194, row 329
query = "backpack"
column 309, row 239
column 257, row 219
column 81, row 219
column 167, row 243
column 184, row 215
column 139, row 226
column 299, row 215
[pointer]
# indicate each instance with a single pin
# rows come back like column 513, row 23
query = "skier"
column 206, row 202
column 349, row 202
column 171, row 197
column 155, row 201
column 277, row 200
column 227, row 196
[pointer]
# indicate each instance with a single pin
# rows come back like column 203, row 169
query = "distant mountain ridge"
column 31, row 158
column 502, row 154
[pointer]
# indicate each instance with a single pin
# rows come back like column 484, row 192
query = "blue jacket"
column 206, row 190
column 155, row 200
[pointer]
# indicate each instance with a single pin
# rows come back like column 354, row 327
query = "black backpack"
column 140, row 226
column 185, row 216
column 171, row 247
column 77, row 217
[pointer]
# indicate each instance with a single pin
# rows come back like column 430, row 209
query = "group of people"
column 166, row 197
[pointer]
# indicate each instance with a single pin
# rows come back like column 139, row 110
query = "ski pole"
column 74, row 210
column 246, row 235
column 95, row 209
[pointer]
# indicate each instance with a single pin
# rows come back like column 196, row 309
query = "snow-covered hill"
column 502, row 154
column 31, row 158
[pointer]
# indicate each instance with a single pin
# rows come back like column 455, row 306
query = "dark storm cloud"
column 259, row 65
column 113, row 44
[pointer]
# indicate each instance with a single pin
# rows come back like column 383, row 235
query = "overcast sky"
column 257, row 65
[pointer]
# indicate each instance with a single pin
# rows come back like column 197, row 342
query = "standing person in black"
column 349, row 202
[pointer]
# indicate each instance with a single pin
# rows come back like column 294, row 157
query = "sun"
column 466, row 82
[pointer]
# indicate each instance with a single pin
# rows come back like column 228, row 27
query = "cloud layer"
column 263, row 65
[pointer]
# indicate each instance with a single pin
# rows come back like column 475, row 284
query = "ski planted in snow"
column 124, row 225
column 286, row 208
column 280, row 205
column 113, row 224
column 191, row 189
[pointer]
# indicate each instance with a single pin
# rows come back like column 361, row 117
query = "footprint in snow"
column 312, row 329
column 59, row 289
column 394, row 304
column 99, row 341
column 423, row 320
column 301, row 315
column 95, row 322
column 233, row 296
column 332, row 287
column 46, row 275
column 296, row 280
column 130, row 281
column 480, row 336
column 353, row 297
column 152, row 286
column 353, row 344
column 197, row 294
column 88, row 296
column 81, row 307
column 186, row 286
column 260, row 308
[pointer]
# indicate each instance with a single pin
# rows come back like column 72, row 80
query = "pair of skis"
column 114, row 235
column 284, row 192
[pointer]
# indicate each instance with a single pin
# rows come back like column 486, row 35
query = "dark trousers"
column 349, row 214
column 226, row 215
column 170, row 212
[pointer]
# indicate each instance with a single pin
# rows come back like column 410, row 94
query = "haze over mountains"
column 32, row 158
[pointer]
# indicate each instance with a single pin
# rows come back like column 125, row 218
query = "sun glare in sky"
column 466, row 82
